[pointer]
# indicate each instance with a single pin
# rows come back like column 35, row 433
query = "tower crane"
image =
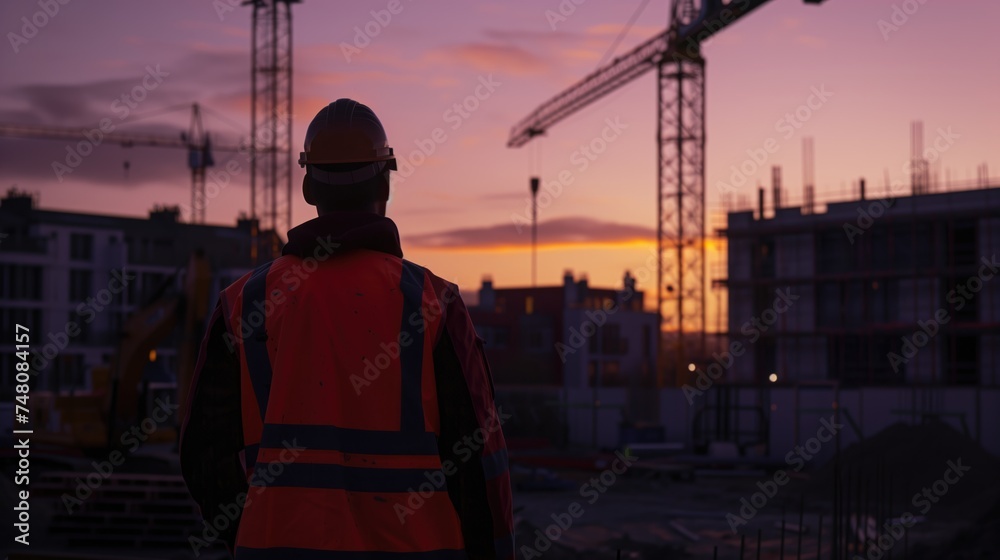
column 195, row 140
column 271, row 113
column 676, row 56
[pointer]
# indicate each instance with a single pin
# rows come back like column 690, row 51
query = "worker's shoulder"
column 446, row 290
column 237, row 285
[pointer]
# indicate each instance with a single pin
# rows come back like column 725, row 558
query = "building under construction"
column 886, row 290
column 840, row 307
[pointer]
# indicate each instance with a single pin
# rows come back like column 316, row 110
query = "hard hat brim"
column 306, row 159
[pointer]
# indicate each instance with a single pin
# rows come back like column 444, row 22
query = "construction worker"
column 342, row 405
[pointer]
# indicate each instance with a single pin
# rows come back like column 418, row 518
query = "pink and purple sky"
column 942, row 66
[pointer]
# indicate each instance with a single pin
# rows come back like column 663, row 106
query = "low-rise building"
column 74, row 278
column 574, row 361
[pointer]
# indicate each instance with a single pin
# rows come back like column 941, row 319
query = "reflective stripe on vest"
column 411, row 284
column 255, row 345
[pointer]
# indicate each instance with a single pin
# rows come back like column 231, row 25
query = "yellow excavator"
column 97, row 419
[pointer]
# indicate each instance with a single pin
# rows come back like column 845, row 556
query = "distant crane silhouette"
column 195, row 140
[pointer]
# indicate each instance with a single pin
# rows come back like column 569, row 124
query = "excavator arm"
column 145, row 330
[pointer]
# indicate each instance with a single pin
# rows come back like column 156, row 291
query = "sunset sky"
column 941, row 65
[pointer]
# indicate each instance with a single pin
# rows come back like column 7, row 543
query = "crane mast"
column 271, row 114
column 675, row 54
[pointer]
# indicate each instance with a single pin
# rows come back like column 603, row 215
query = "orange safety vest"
column 324, row 345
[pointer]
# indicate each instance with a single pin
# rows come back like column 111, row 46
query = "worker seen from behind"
column 342, row 405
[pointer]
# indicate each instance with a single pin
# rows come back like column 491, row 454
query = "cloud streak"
column 567, row 231
column 491, row 57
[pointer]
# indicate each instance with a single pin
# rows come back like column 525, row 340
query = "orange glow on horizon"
column 629, row 243
column 711, row 244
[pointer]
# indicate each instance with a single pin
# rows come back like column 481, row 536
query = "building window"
column 963, row 244
column 131, row 251
column 496, row 338
column 912, row 245
column 883, row 298
column 161, row 250
column 879, row 250
column 82, row 327
column 68, row 372
column 21, row 282
column 613, row 342
column 608, row 341
column 853, row 303
column 534, row 339
column 529, row 305
column 828, row 308
column 835, row 254
column 924, row 238
column 132, row 291
column 81, row 246
column 611, row 374
column 154, row 284
column 962, row 308
column 961, row 359
column 765, row 359
column 885, row 371
column 80, row 287
column 500, row 337
column 858, row 359
column 764, row 258
column 26, row 316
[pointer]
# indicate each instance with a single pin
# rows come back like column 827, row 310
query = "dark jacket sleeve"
column 212, row 433
column 479, row 483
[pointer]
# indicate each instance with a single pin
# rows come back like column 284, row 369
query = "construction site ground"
column 644, row 513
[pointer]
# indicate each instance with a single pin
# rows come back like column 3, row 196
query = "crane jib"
column 680, row 41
